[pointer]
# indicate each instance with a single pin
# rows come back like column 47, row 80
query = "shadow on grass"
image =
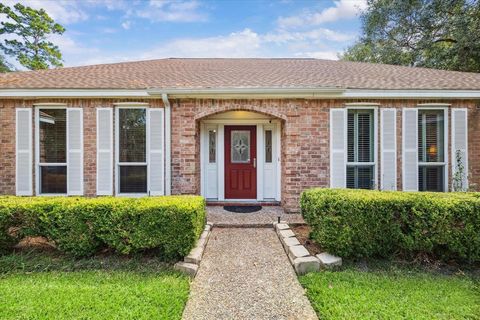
column 37, row 260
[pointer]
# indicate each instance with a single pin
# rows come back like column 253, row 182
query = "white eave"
column 242, row 93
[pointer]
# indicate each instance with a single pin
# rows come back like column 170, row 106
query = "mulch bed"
column 303, row 235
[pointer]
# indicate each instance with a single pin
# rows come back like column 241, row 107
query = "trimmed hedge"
column 81, row 226
column 365, row 223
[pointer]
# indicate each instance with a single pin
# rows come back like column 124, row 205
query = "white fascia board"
column 72, row 93
column 409, row 94
column 250, row 93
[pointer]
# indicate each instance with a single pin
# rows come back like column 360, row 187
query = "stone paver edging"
column 301, row 260
column 191, row 262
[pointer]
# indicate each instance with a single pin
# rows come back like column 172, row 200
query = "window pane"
column 53, row 179
column 364, row 140
column 365, row 177
column 53, row 135
column 430, row 136
column 212, row 146
column 133, row 179
column 360, row 136
column 360, row 177
column 351, row 136
column 431, row 178
column 351, row 179
column 268, row 146
column 240, row 149
column 132, row 135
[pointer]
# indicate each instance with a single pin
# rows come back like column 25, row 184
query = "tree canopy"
column 27, row 31
column 441, row 34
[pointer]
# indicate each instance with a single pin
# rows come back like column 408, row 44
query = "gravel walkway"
column 264, row 217
column 245, row 274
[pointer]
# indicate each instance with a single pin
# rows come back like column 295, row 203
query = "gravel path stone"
column 245, row 274
column 264, row 217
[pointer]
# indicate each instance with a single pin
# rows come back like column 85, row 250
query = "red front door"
column 240, row 162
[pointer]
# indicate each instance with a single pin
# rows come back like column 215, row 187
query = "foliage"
column 458, row 181
column 4, row 65
column 81, row 226
column 441, row 34
column 48, row 285
column 28, row 31
column 366, row 223
column 391, row 294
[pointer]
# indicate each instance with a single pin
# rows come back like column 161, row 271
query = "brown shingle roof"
column 240, row 73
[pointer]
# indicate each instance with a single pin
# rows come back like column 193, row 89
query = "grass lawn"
column 48, row 286
column 393, row 293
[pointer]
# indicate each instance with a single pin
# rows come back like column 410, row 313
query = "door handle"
column 254, row 162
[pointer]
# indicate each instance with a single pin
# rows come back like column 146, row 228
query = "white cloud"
column 342, row 9
column 71, row 48
column 172, row 11
column 242, row 44
column 126, row 25
column 284, row 36
column 108, row 30
column 245, row 43
column 62, row 11
column 328, row 55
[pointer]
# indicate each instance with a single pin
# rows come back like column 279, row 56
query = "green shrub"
column 364, row 223
column 80, row 226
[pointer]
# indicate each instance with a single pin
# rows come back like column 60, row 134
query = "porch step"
column 243, row 203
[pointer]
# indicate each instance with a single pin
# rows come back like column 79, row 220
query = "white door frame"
column 219, row 125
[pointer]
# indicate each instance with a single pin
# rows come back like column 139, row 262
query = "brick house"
column 237, row 130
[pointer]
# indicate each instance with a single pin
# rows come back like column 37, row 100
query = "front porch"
column 240, row 158
column 260, row 219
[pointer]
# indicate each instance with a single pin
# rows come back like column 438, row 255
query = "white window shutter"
column 410, row 149
column 460, row 148
column 104, row 151
column 389, row 149
column 75, row 151
column 155, row 153
column 338, row 147
column 23, row 173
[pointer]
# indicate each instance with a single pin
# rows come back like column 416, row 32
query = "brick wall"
column 304, row 150
column 7, row 133
column 305, row 140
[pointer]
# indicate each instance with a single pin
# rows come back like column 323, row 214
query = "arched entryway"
column 240, row 156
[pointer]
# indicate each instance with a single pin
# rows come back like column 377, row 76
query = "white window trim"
column 373, row 107
column 147, row 151
column 446, row 141
column 37, row 149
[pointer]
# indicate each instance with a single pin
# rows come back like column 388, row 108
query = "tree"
column 30, row 29
column 4, row 65
column 441, row 34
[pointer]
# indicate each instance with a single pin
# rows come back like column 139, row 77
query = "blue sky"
column 106, row 31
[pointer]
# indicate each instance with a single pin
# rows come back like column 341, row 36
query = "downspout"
column 168, row 137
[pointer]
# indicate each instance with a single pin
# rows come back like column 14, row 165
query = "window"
column 360, row 149
column 431, row 150
column 132, row 150
column 212, row 146
column 240, row 146
column 52, row 141
column 268, row 146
